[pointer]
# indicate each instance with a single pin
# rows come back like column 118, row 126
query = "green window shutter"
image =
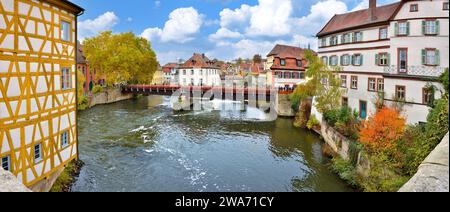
column 438, row 58
column 424, row 56
column 342, row 38
column 424, row 24
column 342, row 60
column 377, row 58
column 389, row 59
column 437, row 27
column 330, row 61
column 407, row 28
column 362, row 36
column 361, row 60
column 396, row 29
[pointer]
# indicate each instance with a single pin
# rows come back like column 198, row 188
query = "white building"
column 199, row 70
column 170, row 71
column 398, row 49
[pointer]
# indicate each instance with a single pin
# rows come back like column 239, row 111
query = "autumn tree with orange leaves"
column 382, row 131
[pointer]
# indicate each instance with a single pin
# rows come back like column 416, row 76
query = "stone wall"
column 9, row 183
column 110, row 95
column 46, row 184
column 433, row 173
column 283, row 106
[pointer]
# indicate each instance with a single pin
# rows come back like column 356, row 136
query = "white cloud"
column 234, row 18
column 183, row 23
column 270, row 18
column 103, row 22
column 224, row 33
column 157, row 3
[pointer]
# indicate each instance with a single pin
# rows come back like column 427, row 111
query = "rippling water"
column 143, row 145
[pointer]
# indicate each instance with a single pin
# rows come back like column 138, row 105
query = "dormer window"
column 299, row 63
column 414, row 8
column 282, row 62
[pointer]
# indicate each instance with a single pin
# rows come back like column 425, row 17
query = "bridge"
column 233, row 93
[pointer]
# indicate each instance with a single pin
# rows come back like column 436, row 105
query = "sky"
column 222, row 29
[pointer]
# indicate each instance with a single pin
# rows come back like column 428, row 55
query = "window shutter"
column 342, row 38
column 438, row 57
column 329, row 60
column 354, row 35
column 342, row 63
column 407, row 28
column 424, row 24
column 388, row 59
column 351, row 60
column 361, row 60
column 362, row 36
column 424, row 56
column 396, row 29
column 437, row 27
column 377, row 59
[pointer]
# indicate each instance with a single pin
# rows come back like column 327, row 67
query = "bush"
column 345, row 170
column 313, row 122
column 302, row 116
column 344, row 120
column 82, row 102
column 97, row 89
column 381, row 132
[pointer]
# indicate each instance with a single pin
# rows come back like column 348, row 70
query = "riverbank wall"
column 108, row 96
column 283, row 106
column 433, row 173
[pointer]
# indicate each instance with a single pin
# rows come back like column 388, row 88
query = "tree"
column 81, row 98
column 121, row 57
column 257, row 59
column 323, row 84
column 382, row 130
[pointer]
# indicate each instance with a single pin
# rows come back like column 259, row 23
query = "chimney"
column 372, row 7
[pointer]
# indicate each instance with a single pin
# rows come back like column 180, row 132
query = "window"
column 345, row 60
column 347, row 38
column 333, row 41
column 382, row 59
column 430, row 57
column 430, row 27
column 65, row 139
column 372, row 85
column 427, row 95
column 358, row 37
column 302, row 75
column 357, row 60
column 354, row 82
column 380, row 85
column 323, row 42
column 334, row 60
column 344, row 81
column 37, row 153
column 66, row 82
column 413, row 8
column 282, row 62
column 383, row 33
column 184, row 72
column 192, row 72
column 65, row 31
column 400, row 92
column 299, row 63
column 344, row 102
column 6, row 163
column 325, row 60
column 362, row 109
column 445, row 6
column 403, row 60
column 402, row 28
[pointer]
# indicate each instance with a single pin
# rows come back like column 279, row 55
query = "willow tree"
column 121, row 57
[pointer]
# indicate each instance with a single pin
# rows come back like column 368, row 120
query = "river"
column 143, row 145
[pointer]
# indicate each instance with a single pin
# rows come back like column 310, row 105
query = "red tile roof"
column 284, row 51
column 169, row 66
column 199, row 61
column 360, row 18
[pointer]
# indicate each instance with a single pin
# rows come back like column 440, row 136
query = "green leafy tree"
column 121, row 57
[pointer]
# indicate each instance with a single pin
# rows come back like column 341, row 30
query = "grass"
column 67, row 177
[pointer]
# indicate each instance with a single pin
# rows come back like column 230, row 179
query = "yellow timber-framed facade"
column 38, row 132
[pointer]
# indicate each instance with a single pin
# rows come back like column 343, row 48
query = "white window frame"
column 65, row 140
column 8, row 162
column 66, row 29
column 346, row 60
column 37, row 159
column 372, row 85
column 66, row 79
column 431, row 57
column 403, row 28
column 430, row 27
column 384, row 33
column 380, row 82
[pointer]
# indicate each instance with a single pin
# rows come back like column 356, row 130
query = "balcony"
column 415, row 71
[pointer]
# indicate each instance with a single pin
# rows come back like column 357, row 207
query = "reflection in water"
column 143, row 145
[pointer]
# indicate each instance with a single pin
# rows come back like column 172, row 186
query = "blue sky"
column 223, row 29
